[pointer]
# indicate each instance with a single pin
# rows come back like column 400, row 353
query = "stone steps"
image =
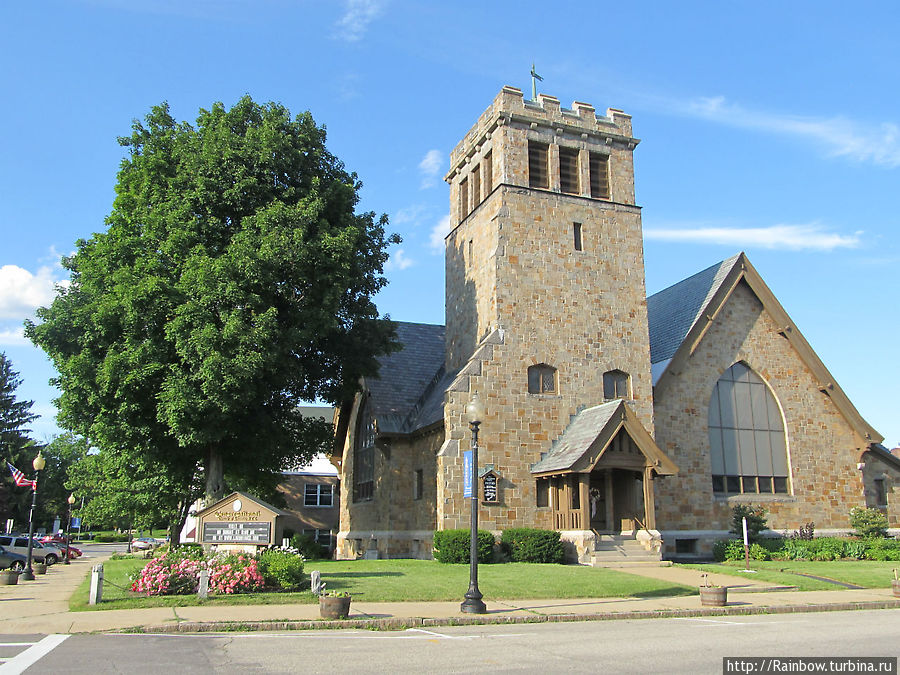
column 623, row 551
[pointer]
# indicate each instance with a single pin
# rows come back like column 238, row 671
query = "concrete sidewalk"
column 41, row 606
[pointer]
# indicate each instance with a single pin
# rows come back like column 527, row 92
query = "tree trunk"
column 177, row 526
column 214, row 471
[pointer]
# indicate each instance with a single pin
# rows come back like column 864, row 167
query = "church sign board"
column 239, row 520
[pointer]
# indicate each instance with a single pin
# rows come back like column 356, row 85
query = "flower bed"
column 177, row 572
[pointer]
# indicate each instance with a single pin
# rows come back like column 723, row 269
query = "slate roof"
column 674, row 310
column 578, row 437
column 407, row 394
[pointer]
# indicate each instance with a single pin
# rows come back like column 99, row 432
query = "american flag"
column 19, row 477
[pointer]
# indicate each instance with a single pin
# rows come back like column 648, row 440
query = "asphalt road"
column 694, row 645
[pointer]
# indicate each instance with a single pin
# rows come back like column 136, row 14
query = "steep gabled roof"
column 407, row 394
column 673, row 311
column 590, row 433
column 680, row 316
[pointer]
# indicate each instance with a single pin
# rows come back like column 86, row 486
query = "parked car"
column 11, row 560
column 57, row 538
column 74, row 552
column 45, row 553
column 144, row 543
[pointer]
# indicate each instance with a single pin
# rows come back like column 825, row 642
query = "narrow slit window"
column 576, row 232
column 487, row 178
column 476, row 187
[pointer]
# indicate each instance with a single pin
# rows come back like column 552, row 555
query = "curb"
column 402, row 623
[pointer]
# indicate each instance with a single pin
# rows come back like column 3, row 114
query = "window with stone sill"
column 748, row 452
column 616, row 384
column 542, row 379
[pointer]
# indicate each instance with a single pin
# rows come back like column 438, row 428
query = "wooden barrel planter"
column 9, row 577
column 713, row 596
column 895, row 586
column 39, row 568
column 334, row 607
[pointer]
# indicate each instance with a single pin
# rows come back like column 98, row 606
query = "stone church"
column 627, row 423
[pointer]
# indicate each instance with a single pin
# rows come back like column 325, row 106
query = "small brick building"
column 609, row 415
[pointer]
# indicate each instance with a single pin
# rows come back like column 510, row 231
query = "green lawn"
column 404, row 580
column 865, row 573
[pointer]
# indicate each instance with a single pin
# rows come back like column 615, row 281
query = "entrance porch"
column 600, row 477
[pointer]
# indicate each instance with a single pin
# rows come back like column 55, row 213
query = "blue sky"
column 768, row 127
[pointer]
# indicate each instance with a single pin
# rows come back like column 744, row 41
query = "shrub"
column 806, row 532
column 525, row 544
column 452, row 546
column 881, row 549
column 281, row 569
column 756, row 520
column 868, row 522
column 308, row 547
column 169, row 575
column 733, row 550
column 234, row 573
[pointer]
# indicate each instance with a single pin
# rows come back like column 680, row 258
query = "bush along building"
column 622, row 421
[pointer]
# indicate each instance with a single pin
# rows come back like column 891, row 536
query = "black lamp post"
column 71, row 501
column 473, row 604
column 38, row 463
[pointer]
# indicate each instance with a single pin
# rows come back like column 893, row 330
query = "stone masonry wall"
column 582, row 312
column 400, row 525
column 823, row 450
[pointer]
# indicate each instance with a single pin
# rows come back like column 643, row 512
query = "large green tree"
column 15, row 445
column 234, row 280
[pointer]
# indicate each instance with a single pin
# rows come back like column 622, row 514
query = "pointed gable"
column 590, row 433
column 680, row 316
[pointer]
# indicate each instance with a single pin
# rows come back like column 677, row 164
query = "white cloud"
column 13, row 337
column 356, row 19
column 430, row 166
column 790, row 237
column 440, row 230
column 21, row 292
column 409, row 214
column 838, row 136
column 399, row 261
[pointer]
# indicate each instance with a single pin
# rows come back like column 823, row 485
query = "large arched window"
column 746, row 436
column 364, row 454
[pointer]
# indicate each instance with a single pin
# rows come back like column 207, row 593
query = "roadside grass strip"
column 402, row 581
column 811, row 575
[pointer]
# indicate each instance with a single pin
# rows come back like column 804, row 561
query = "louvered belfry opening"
column 538, row 173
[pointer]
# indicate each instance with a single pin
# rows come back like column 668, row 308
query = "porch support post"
column 585, row 498
column 610, row 498
column 649, row 504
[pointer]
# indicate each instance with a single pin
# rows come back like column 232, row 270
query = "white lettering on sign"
column 237, row 533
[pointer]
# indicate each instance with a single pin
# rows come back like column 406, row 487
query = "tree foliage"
column 234, row 281
column 16, row 445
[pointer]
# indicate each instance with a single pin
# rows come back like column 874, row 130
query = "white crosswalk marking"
column 32, row 655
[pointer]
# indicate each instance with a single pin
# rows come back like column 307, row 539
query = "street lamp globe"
column 71, row 499
column 39, row 462
column 475, row 410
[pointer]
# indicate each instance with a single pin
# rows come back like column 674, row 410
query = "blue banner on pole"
column 468, row 474
column 76, row 522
